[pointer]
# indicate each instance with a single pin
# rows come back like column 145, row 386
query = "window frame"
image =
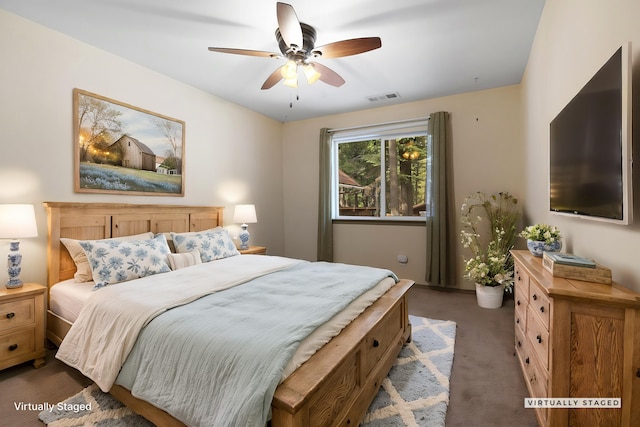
column 415, row 127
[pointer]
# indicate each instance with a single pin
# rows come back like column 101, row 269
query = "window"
column 381, row 172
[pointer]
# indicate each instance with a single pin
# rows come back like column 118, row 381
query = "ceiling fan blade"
column 349, row 47
column 273, row 79
column 327, row 75
column 289, row 24
column 245, row 52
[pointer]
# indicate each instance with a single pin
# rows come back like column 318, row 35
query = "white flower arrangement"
column 491, row 263
column 541, row 233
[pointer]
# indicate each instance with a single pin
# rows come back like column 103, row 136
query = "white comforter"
column 107, row 328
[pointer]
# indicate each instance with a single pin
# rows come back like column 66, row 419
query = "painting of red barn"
column 123, row 149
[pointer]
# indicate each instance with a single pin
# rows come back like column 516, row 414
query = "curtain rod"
column 379, row 124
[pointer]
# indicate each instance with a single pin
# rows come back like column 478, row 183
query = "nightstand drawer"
column 16, row 344
column 17, row 313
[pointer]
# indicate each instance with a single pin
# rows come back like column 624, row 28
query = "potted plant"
column 542, row 238
column 489, row 225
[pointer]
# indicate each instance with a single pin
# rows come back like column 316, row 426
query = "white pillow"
column 118, row 261
column 83, row 269
column 186, row 259
column 213, row 244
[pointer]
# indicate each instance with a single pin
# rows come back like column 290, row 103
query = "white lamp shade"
column 245, row 214
column 17, row 221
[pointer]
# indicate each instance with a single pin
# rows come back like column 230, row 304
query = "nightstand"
column 255, row 250
column 22, row 325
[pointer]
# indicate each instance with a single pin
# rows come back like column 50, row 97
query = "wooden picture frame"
column 122, row 149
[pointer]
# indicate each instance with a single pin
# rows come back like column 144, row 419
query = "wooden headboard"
column 91, row 221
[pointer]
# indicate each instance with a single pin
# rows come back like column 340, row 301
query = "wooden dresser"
column 577, row 339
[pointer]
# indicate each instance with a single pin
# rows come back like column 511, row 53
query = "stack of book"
column 575, row 267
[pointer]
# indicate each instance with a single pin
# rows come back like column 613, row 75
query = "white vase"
column 489, row 296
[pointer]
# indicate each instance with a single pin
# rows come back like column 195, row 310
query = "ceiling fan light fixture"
column 289, row 71
column 310, row 73
column 291, row 82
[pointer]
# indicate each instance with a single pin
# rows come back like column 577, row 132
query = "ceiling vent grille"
column 387, row 97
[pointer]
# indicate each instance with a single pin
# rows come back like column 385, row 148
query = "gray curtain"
column 325, row 226
column 440, row 226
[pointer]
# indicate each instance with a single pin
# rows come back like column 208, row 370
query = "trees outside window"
column 381, row 177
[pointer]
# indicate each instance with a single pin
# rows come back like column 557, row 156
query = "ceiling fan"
column 296, row 41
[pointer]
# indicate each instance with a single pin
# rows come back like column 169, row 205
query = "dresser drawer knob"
column 13, row 347
column 542, row 309
column 526, row 360
column 518, row 302
column 518, row 321
column 376, row 343
column 519, row 344
column 535, row 297
column 539, row 338
column 10, row 315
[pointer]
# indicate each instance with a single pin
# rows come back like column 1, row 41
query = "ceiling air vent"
column 386, row 97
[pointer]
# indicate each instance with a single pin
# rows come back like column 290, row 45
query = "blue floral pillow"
column 115, row 261
column 213, row 244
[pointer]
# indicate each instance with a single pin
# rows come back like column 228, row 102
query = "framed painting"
column 122, row 149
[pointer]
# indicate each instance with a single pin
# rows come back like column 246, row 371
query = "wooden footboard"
column 337, row 384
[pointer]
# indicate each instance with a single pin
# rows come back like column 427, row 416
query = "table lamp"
column 16, row 221
column 245, row 214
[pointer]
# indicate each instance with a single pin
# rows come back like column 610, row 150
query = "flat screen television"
column 590, row 154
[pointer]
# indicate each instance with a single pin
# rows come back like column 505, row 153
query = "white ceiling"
column 430, row 48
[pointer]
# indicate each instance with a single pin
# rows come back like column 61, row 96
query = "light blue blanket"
column 217, row 361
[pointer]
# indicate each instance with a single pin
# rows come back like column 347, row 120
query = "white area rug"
column 416, row 392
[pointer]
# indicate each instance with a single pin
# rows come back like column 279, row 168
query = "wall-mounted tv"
column 590, row 154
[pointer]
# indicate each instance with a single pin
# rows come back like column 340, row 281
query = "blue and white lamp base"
column 244, row 237
column 14, row 261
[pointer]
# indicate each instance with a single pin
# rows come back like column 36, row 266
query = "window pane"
column 380, row 171
column 359, row 178
column 405, row 176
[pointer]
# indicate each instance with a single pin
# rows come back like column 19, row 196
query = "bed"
column 333, row 387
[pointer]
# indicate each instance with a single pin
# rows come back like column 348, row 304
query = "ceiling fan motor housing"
column 298, row 54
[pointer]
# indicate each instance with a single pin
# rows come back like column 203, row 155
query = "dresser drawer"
column 521, row 284
column 520, row 316
column 17, row 344
column 522, row 346
column 538, row 337
column 538, row 382
column 17, row 313
column 539, row 301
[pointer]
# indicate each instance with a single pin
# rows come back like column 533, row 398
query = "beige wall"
column 233, row 155
column 488, row 156
column 574, row 39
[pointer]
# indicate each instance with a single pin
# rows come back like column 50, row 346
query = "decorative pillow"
column 213, row 244
column 83, row 269
column 115, row 261
column 187, row 259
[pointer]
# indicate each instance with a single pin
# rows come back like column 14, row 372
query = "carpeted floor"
column 487, row 387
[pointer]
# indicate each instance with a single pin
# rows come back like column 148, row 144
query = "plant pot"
column 537, row 248
column 489, row 296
